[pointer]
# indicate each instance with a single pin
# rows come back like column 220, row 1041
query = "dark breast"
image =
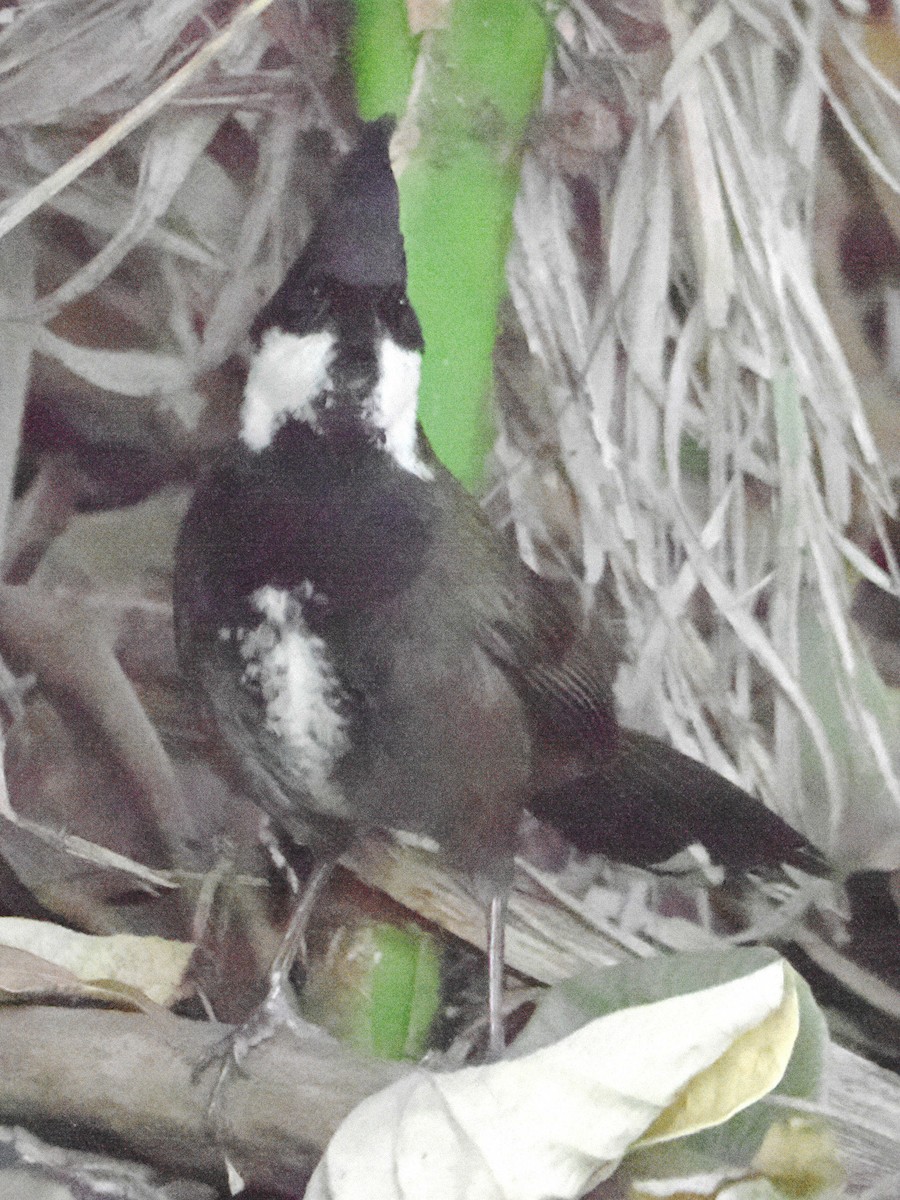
column 295, row 515
column 436, row 741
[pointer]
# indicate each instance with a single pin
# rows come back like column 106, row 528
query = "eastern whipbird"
column 373, row 653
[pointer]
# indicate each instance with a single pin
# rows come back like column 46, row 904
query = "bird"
column 375, row 656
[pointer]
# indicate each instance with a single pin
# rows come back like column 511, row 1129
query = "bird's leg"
column 277, row 1005
column 277, row 1008
column 496, row 937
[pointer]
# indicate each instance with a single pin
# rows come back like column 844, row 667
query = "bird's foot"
column 277, row 1011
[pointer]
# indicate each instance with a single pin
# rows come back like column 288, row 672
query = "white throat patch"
column 287, row 375
column 393, row 405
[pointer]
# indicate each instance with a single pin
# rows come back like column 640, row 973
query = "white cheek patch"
column 393, row 403
column 301, row 693
column 288, row 374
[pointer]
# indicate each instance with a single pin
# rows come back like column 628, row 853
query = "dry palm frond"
column 704, row 332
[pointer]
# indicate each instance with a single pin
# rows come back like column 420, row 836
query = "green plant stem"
column 463, row 125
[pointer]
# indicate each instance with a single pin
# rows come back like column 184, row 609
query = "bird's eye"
column 399, row 318
column 390, row 307
column 310, row 307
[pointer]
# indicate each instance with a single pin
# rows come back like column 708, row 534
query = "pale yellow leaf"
column 750, row 1067
column 151, row 965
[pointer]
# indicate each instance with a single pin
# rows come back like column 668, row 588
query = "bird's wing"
column 611, row 790
column 561, row 672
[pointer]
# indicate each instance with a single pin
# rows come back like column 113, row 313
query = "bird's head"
column 338, row 347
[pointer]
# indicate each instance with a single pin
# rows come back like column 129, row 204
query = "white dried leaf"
column 628, row 214
column 861, row 1103
column 105, row 210
column 239, row 296
column 556, row 1121
column 681, row 73
column 647, row 300
column 212, row 225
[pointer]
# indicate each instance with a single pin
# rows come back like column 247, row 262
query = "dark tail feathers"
column 651, row 801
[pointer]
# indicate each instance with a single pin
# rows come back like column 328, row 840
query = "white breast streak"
column 301, row 693
column 393, row 405
column 287, row 375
